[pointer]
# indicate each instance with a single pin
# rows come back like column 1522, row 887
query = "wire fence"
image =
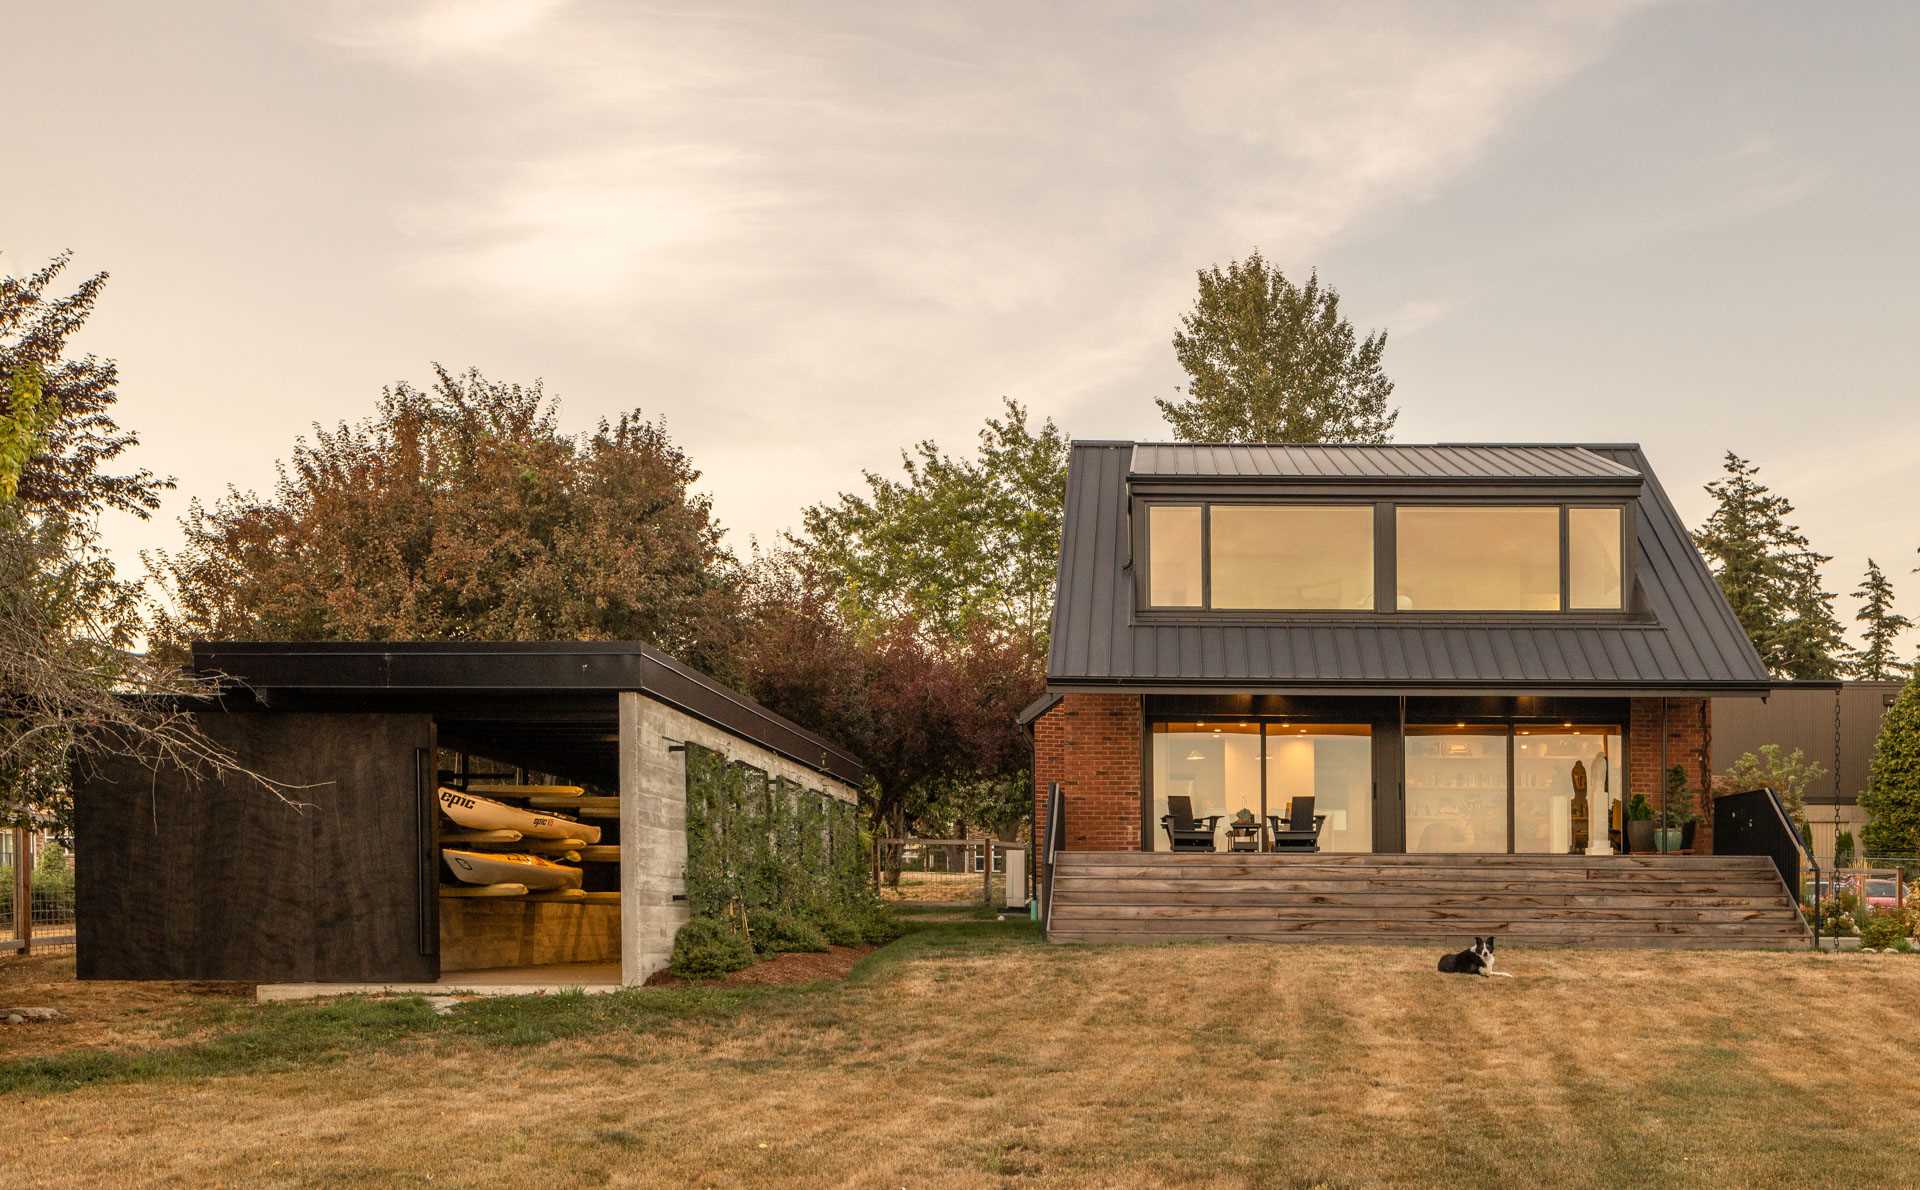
column 952, row 871
column 1873, row 899
column 37, row 912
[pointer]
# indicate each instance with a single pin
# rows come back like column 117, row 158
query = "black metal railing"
column 1756, row 823
column 1055, row 842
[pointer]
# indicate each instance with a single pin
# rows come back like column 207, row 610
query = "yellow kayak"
column 487, row 867
column 485, row 814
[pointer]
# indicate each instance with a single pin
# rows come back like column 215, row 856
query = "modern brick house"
column 1469, row 656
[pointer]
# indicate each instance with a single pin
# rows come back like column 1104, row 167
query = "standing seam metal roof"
column 1687, row 638
column 1438, row 462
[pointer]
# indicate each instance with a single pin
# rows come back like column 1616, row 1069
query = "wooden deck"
column 1529, row 900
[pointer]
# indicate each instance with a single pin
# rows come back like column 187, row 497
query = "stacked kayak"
column 490, row 867
column 502, row 850
column 484, row 814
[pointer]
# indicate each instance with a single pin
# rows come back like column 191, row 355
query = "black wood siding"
column 219, row 880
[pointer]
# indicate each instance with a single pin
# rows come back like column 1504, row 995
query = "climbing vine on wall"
column 757, row 843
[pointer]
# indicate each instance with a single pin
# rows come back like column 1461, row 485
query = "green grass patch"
column 265, row 1038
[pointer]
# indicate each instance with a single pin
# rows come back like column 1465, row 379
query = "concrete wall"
column 653, row 821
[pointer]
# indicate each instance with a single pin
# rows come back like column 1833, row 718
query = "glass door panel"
column 1556, row 771
column 1215, row 765
column 1333, row 764
column 1456, row 788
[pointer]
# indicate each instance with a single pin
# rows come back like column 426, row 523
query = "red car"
column 1883, row 892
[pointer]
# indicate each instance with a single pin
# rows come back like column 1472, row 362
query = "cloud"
column 908, row 211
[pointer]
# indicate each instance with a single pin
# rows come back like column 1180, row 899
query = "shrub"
column 775, row 932
column 1892, row 796
column 1885, row 928
column 709, row 946
column 1677, row 803
column 880, row 925
column 841, row 926
column 1789, row 776
column 1639, row 809
column 1843, row 850
column 1838, row 915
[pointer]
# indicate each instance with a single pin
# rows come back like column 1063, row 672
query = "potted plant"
column 1676, row 811
column 1639, row 824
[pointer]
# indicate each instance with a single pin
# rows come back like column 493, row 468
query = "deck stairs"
column 1527, row 900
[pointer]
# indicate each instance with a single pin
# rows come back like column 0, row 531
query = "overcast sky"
column 806, row 235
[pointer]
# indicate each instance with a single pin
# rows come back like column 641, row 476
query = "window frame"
column 1386, row 561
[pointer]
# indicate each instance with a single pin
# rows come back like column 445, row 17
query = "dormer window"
column 1477, row 558
column 1295, row 557
column 1435, row 556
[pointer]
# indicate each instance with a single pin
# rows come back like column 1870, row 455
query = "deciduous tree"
column 955, row 542
column 72, row 686
column 1271, row 361
column 463, row 512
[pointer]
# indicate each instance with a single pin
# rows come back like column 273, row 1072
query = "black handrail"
column 1056, row 842
column 1756, row 823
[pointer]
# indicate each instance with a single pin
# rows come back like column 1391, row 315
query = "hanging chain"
column 1836, row 766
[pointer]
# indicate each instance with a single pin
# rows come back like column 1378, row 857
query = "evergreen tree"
column 1892, row 796
column 1812, row 645
column 1769, row 574
column 1878, row 661
column 1271, row 361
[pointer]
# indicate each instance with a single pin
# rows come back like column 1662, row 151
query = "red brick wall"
column 1688, row 732
column 1090, row 743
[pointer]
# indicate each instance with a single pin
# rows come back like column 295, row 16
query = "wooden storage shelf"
column 483, row 890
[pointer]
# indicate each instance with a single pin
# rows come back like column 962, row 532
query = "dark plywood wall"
column 1795, row 717
column 178, row 879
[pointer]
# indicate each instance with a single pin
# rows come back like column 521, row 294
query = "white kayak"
column 484, row 867
column 485, row 814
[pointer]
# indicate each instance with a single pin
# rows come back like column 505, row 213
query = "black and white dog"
column 1477, row 961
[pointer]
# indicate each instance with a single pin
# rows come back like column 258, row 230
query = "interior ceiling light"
column 1195, row 755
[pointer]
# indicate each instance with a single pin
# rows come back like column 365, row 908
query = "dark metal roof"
column 535, row 671
column 1439, row 463
column 1685, row 639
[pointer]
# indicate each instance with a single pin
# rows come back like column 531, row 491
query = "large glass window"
column 1173, row 554
column 1594, row 575
column 1454, row 558
column 1558, row 772
column 1216, row 766
column 1332, row 764
column 1456, row 788
column 1313, row 558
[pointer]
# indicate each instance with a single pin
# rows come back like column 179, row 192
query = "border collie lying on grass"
column 1477, row 961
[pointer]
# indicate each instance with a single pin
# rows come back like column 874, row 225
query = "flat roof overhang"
column 548, row 687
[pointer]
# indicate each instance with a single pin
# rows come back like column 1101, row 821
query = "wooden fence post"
column 23, row 889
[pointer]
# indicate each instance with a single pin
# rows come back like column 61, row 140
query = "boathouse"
column 375, row 744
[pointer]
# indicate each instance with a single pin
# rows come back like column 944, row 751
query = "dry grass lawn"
column 966, row 1055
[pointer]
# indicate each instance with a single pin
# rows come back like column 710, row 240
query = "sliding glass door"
column 1332, row 763
column 1456, row 788
column 1267, row 768
column 1215, row 766
column 1557, row 773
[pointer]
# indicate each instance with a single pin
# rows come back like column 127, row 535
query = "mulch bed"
column 836, row 963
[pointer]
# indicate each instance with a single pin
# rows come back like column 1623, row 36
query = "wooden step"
column 1078, row 913
column 1449, row 940
column 1541, row 899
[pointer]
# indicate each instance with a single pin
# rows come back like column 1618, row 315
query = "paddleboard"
column 485, row 814
column 499, row 789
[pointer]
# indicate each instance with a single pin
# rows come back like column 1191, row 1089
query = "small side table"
column 1245, row 836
